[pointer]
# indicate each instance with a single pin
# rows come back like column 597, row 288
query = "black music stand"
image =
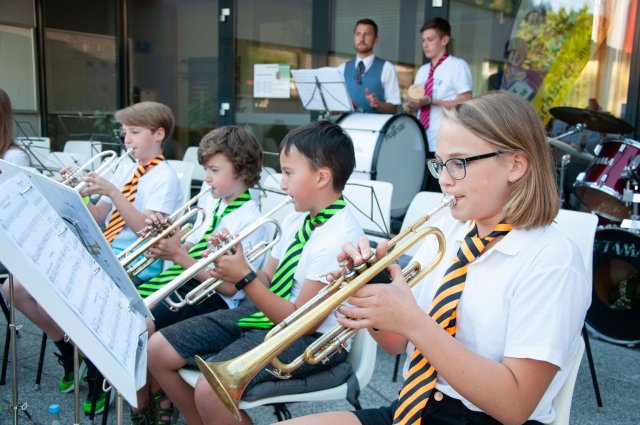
column 322, row 89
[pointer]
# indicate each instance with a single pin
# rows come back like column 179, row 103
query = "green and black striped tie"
column 282, row 281
column 157, row 282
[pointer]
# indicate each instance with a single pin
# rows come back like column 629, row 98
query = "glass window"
column 173, row 59
column 271, row 32
column 80, row 58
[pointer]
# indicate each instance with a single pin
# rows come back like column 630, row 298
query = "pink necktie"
column 425, row 111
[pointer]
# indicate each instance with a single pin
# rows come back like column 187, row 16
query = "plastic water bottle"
column 54, row 414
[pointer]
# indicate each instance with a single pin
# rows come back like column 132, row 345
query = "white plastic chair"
column 191, row 155
column 184, row 170
column 562, row 402
column 370, row 201
column 362, row 357
column 421, row 203
column 580, row 228
column 85, row 148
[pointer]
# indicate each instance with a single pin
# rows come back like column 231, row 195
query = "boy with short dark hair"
column 316, row 161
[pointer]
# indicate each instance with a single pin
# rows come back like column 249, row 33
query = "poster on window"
column 271, row 81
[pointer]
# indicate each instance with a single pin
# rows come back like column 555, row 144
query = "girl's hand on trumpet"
column 98, row 185
column 380, row 307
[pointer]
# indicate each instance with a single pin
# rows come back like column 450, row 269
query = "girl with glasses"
column 491, row 332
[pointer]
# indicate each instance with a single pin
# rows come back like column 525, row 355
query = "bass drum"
column 614, row 314
column 389, row 148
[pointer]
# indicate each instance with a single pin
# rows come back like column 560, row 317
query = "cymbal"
column 566, row 147
column 593, row 120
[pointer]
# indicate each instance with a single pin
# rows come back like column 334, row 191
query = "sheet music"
column 331, row 87
column 81, row 283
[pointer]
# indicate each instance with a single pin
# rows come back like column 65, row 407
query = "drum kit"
column 609, row 187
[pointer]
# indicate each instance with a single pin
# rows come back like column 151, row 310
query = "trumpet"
column 208, row 287
column 229, row 378
column 152, row 235
column 110, row 161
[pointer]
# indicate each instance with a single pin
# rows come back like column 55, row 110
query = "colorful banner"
column 566, row 67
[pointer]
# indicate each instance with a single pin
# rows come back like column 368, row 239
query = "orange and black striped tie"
column 130, row 190
column 421, row 376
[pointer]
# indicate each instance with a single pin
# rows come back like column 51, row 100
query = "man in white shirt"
column 372, row 82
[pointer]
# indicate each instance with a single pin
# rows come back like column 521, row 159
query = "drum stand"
column 564, row 161
column 13, row 328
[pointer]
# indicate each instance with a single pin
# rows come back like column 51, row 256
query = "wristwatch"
column 246, row 280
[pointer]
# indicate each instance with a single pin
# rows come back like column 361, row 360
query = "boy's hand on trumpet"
column 98, row 185
column 167, row 248
column 232, row 266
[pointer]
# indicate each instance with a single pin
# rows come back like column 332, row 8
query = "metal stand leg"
column 396, row 366
column 592, row 367
column 76, row 385
column 15, row 405
column 43, row 346
column 7, row 343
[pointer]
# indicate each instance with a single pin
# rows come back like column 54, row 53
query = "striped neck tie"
column 425, row 111
column 130, row 190
column 152, row 285
column 282, row 281
column 421, row 376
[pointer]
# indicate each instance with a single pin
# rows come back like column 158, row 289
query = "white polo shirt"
column 450, row 79
column 526, row 297
column 17, row 156
column 158, row 190
column 319, row 253
column 234, row 222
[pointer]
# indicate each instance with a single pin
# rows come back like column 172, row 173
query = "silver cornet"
column 181, row 220
column 110, row 161
column 208, row 287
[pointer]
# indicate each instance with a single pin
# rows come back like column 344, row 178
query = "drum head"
column 614, row 314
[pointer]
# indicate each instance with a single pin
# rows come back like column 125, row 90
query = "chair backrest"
column 362, row 356
column 184, row 170
column 370, row 201
column 85, row 148
column 562, row 402
column 191, row 155
column 38, row 148
column 57, row 160
column 421, row 203
column 580, row 228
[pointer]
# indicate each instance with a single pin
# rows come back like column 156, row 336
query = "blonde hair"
column 150, row 115
column 508, row 122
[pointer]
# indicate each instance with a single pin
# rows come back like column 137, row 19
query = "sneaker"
column 67, row 382
column 101, row 401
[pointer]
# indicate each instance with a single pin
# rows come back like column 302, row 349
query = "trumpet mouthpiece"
column 449, row 200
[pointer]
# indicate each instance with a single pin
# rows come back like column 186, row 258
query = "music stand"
column 322, row 89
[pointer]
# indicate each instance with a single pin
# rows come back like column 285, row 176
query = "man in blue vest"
column 372, row 82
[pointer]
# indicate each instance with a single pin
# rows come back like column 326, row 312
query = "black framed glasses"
column 456, row 167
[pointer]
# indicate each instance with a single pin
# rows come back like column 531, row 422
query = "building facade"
column 69, row 64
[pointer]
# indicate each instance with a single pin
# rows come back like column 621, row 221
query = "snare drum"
column 614, row 314
column 601, row 186
column 390, row 148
